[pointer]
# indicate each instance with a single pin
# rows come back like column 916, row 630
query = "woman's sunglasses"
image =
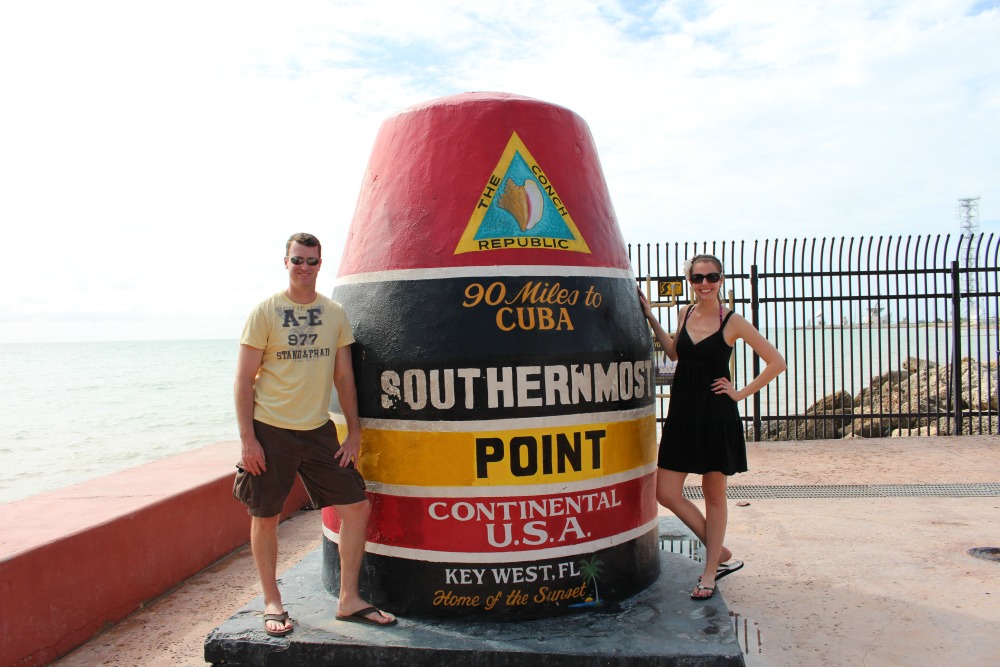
column 698, row 278
column 313, row 261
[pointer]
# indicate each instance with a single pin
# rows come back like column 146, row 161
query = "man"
column 295, row 347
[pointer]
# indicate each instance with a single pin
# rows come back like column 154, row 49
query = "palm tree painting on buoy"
column 590, row 569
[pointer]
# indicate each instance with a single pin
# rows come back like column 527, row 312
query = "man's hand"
column 252, row 457
column 349, row 450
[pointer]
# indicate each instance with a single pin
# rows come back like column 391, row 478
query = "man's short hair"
column 307, row 240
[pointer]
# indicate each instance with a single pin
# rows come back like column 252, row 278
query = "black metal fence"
column 882, row 336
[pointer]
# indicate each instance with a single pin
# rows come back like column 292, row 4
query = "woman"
column 703, row 432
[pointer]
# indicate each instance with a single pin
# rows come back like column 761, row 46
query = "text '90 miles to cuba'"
column 536, row 305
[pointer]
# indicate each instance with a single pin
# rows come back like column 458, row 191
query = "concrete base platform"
column 659, row 626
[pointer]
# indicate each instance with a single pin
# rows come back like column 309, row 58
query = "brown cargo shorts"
column 310, row 454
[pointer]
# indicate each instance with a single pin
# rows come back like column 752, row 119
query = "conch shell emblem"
column 524, row 202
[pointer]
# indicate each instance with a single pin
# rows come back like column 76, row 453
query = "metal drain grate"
column 854, row 491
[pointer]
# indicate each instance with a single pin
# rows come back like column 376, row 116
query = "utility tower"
column 968, row 222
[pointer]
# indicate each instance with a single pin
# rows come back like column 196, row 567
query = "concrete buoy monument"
column 504, row 371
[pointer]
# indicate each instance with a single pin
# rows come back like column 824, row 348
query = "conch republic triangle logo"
column 520, row 208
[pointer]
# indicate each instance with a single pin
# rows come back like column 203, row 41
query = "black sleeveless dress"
column 703, row 431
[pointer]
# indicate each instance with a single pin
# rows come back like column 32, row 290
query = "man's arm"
column 347, row 395
column 247, row 364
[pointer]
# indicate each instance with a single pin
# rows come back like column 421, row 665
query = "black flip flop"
column 726, row 569
column 700, row 588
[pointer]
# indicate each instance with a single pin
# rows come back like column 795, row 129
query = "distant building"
column 876, row 316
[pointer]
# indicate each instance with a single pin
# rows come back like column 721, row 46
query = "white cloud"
column 155, row 155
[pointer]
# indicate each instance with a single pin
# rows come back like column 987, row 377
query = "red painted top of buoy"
column 430, row 171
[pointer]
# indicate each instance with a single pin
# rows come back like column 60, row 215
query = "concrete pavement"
column 828, row 581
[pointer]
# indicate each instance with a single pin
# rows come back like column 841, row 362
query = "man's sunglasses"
column 698, row 278
column 313, row 261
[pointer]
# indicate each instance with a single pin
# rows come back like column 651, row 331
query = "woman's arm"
column 739, row 327
column 666, row 341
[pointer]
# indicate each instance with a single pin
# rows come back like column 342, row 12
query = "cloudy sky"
column 154, row 155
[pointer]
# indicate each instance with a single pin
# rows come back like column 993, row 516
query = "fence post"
column 755, row 315
column 956, row 346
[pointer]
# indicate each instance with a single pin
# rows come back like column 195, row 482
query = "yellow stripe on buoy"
column 511, row 457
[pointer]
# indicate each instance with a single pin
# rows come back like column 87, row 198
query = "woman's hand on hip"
column 724, row 386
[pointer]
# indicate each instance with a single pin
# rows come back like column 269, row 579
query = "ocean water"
column 74, row 411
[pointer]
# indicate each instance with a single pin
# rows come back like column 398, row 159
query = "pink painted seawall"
column 75, row 560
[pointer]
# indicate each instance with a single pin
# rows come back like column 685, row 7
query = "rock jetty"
column 914, row 400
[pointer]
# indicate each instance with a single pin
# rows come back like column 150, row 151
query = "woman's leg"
column 713, row 485
column 670, row 494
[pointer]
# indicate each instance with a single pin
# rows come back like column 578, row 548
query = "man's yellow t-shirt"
column 300, row 342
